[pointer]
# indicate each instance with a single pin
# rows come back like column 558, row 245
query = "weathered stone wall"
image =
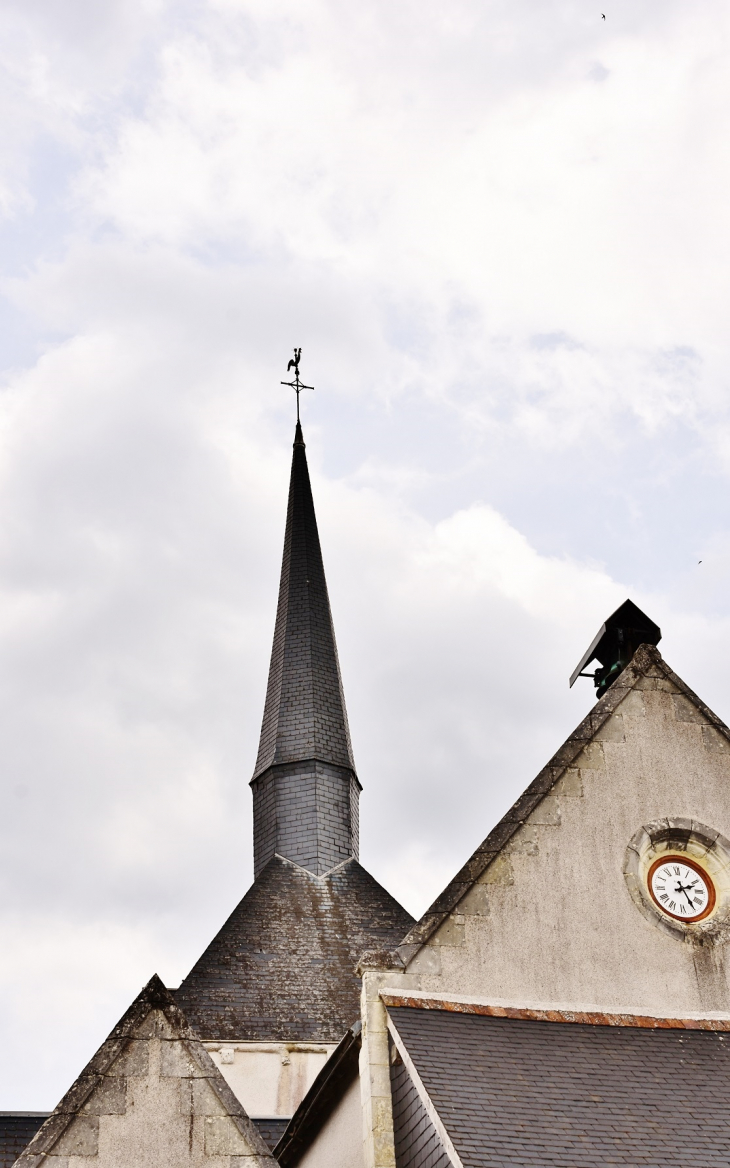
column 551, row 920
column 154, row 1106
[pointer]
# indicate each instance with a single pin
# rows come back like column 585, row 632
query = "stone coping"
column 456, row 1005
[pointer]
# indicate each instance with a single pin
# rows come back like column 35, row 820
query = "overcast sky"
column 499, row 230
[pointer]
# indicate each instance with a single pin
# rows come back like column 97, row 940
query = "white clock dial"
column 681, row 889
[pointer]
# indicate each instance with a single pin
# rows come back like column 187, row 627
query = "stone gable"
column 151, row 1096
column 554, row 911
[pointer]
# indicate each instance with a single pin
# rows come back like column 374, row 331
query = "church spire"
column 305, row 786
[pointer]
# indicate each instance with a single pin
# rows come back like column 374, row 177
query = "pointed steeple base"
column 307, row 812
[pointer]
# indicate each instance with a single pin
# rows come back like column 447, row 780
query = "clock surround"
column 693, row 845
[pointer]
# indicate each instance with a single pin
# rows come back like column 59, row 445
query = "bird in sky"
column 603, row 15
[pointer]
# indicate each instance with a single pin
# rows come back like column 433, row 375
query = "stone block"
column 569, row 787
column 633, row 705
column 133, row 1061
column 715, row 740
column 81, row 1137
column 612, row 730
column 198, row 1098
column 686, row 711
column 383, row 1149
column 451, row 932
column 177, row 1063
column 377, row 1022
column 547, row 812
column 380, row 1078
column 426, row 961
column 498, row 872
column 109, row 1098
column 222, row 1137
column 591, row 758
column 155, row 1025
column 476, row 902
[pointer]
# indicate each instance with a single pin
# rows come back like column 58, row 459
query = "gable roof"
column 282, row 968
column 100, row 1089
column 537, row 1093
column 647, row 669
column 304, row 713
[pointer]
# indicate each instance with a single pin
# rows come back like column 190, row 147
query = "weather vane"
column 296, row 384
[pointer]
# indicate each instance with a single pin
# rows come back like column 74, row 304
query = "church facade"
column 565, row 1000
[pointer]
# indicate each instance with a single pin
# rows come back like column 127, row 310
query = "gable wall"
column 551, row 920
column 154, row 1108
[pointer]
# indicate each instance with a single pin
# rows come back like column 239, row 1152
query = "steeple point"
column 305, row 785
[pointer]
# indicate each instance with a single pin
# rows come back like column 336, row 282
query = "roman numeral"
column 664, row 897
column 681, row 908
column 676, row 871
column 672, row 904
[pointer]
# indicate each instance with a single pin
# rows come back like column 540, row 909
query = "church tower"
column 276, row 989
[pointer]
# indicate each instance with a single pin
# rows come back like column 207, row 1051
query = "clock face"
column 681, row 889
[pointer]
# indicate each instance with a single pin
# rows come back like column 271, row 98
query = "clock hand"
column 680, row 888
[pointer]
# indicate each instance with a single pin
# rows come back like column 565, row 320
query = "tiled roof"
column 417, row 1143
column 304, row 714
column 16, row 1131
column 271, row 1129
column 533, row 1094
column 282, row 968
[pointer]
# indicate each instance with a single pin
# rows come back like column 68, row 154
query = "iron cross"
column 296, row 384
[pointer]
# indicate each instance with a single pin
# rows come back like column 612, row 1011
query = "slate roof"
column 533, row 1094
column 282, row 968
column 271, row 1128
column 17, row 1129
column 304, row 713
column 647, row 668
column 416, row 1141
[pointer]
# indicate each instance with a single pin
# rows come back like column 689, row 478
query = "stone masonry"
column 150, row 1097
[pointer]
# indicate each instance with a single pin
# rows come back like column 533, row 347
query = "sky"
column 499, row 232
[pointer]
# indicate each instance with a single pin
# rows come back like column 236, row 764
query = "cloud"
column 499, row 233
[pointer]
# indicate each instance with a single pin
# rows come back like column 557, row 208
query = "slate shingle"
column 282, row 968
column 569, row 1095
column 16, row 1131
column 305, row 787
